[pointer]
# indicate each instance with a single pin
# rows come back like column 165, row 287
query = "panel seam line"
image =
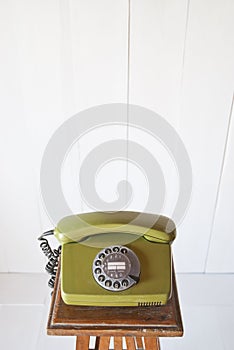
column 219, row 182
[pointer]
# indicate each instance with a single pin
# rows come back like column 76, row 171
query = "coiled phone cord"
column 53, row 256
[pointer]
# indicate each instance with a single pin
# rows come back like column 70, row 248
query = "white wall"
column 60, row 57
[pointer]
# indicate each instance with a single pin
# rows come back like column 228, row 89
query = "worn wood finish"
column 160, row 321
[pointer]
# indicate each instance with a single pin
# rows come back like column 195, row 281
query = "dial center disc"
column 116, row 265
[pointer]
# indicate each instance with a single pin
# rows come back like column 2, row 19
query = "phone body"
column 116, row 258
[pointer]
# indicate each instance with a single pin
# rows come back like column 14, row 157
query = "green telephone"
column 115, row 258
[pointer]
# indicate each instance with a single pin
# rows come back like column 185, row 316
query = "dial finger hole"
column 101, row 278
column 125, row 283
column 116, row 285
column 108, row 283
column 108, row 251
column 98, row 263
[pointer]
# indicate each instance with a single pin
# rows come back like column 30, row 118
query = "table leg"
column 104, row 343
column 130, row 343
column 118, row 343
column 139, row 343
column 82, row 342
column 152, row 343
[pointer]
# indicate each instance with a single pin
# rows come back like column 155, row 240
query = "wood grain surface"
column 157, row 321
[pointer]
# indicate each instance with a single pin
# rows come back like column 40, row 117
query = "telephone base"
column 80, row 288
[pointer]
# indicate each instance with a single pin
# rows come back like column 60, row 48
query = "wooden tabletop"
column 157, row 321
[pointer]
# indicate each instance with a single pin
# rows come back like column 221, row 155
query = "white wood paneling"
column 18, row 201
column 47, row 78
column 98, row 33
column 220, row 257
column 99, row 43
column 156, row 56
column 158, row 31
column 206, row 95
column 157, row 34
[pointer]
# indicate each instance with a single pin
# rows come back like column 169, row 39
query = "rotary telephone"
column 115, row 258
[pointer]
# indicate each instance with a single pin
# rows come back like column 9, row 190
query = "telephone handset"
column 115, row 258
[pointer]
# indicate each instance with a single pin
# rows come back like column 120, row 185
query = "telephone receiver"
column 79, row 228
column 115, row 258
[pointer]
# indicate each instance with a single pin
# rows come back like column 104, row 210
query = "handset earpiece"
column 156, row 236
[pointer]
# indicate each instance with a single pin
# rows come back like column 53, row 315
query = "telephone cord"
column 52, row 255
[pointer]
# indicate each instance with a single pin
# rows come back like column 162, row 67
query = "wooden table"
column 140, row 326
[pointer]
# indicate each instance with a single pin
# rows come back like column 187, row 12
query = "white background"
column 61, row 57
